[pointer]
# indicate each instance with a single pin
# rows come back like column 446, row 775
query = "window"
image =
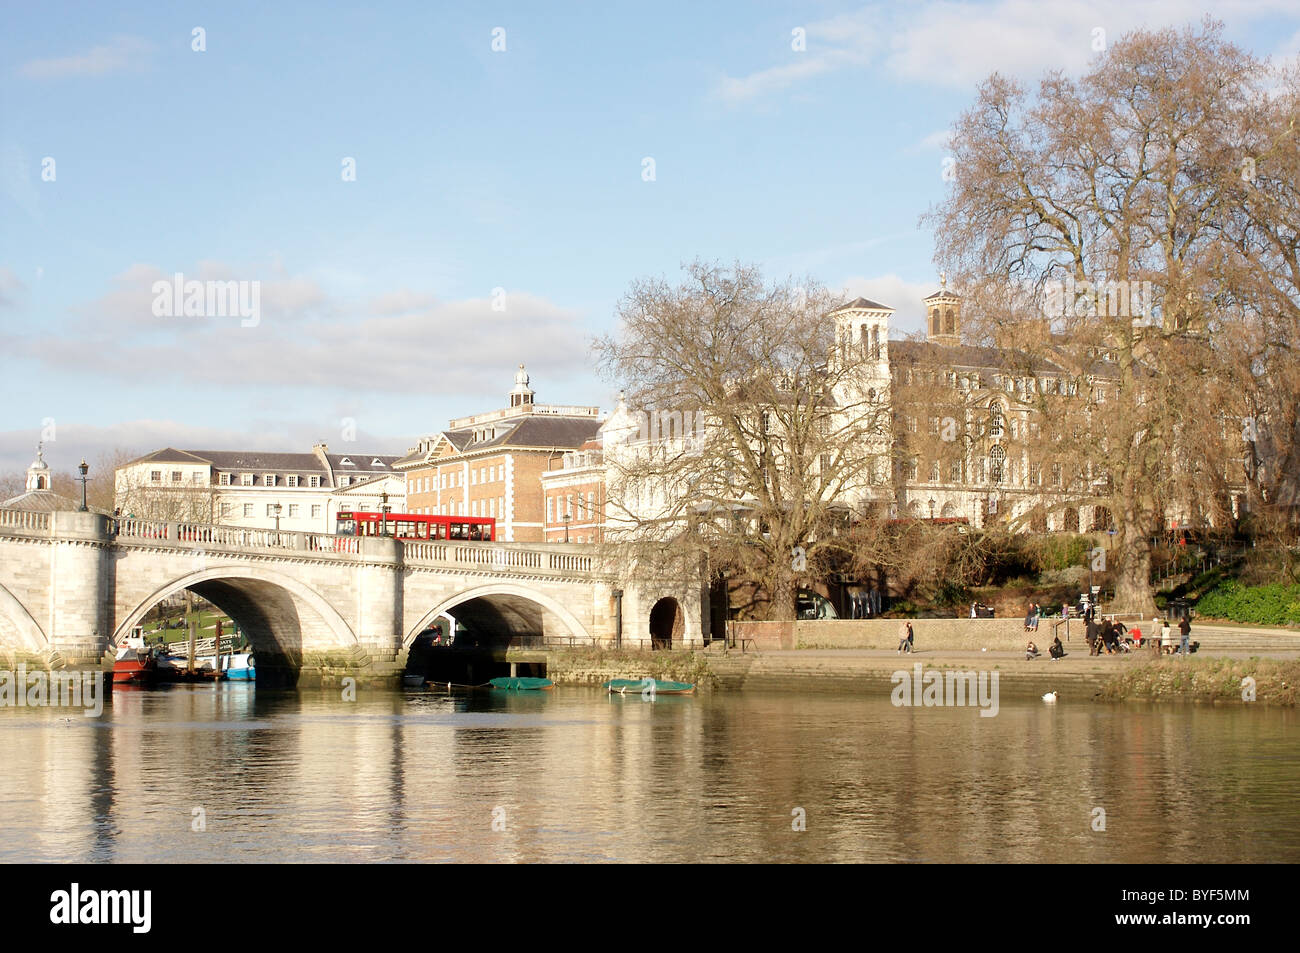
column 225, row 510
column 248, row 511
column 550, row 509
column 377, row 462
column 315, row 511
column 313, row 481
column 979, row 470
column 1035, row 474
column 934, row 472
column 934, row 425
column 196, row 477
column 223, row 479
column 345, row 480
column 292, row 480
column 155, row 476
column 346, row 462
column 246, row 479
column 268, row 479
column 997, row 465
column 1056, row 474
column 176, row 476
column 270, row 509
column 293, row 511
column 954, row 471
column 995, row 419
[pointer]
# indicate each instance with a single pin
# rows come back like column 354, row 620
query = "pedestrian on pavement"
column 905, row 642
column 1185, row 629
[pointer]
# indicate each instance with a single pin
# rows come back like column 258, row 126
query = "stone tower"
column 943, row 315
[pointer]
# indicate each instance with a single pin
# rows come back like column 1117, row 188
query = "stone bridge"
column 315, row 606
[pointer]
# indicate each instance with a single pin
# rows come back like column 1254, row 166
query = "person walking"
column 1185, row 630
column 1164, row 634
column 905, row 640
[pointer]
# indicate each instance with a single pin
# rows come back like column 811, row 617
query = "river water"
column 229, row 773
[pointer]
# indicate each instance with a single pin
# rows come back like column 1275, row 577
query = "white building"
column 296, row 491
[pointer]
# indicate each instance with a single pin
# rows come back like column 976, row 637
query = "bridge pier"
column 80, row 620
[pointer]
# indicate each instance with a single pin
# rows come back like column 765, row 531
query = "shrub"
column 1275, row 604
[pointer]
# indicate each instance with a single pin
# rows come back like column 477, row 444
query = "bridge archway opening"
column 667, row 623
column 276, row 616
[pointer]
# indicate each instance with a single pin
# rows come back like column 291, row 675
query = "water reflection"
column 576, row 775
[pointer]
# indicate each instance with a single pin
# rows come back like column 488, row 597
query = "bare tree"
column 135, row 496
column 757, row 424
column 1068, row 207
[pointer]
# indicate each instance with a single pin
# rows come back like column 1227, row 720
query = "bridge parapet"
column 233, row 537
column 24, row 521
column 533, row 560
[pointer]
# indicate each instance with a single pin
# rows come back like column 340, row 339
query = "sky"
column 425, row 195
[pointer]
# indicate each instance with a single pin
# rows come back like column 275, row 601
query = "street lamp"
column 84, row 470
column 276, row 509
column 384, row 509
column 931, row 507
column 567, row 517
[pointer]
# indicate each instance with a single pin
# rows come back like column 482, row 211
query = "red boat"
column 134, row 664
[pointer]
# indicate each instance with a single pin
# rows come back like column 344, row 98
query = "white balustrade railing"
column 217, row 536
column 24, row 519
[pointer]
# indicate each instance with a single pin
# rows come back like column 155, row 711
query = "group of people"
column 1114, row 638
column 1056, row 650
column 1032, row 616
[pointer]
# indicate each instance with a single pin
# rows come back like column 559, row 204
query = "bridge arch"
column 498, row 589
column 337, row 625
column 268, row 606
column 29, row 632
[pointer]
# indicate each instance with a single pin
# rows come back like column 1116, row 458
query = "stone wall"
column 928, row 634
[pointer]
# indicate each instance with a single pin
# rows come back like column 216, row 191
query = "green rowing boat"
column 648, row 686
column 520, row 684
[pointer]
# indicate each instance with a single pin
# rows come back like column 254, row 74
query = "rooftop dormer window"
column 346, row 462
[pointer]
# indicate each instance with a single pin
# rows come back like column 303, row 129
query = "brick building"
column 492, row 464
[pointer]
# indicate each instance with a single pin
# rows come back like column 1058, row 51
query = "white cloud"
column 405, row 341
column 119, row 53
column 958, row 44
column 137, row 437
column 903, row 296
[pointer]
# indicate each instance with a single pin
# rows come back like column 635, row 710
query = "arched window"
column 995, row 419
column 997, row 465
column 934, row 321
column 875, row 344
column 949, row 322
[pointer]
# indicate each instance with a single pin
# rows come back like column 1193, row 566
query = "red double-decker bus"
column 416, row 526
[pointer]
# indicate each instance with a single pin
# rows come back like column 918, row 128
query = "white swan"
column 1050, row 698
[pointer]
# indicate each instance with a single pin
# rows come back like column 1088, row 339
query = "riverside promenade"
column 862, row 657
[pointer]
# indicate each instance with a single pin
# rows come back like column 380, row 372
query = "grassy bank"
column 1209, row 679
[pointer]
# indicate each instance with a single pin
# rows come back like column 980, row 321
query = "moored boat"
column 648, row 686
column 134, row 666
column 239, row 667
column 515, row 683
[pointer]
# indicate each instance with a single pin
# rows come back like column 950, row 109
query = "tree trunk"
column 782, row 594
column 1133, row 573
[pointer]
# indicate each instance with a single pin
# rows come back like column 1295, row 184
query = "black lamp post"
column 276, row 510
column 931, row 507
column 567, row 517
column 384, row 509
column 83, row 470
